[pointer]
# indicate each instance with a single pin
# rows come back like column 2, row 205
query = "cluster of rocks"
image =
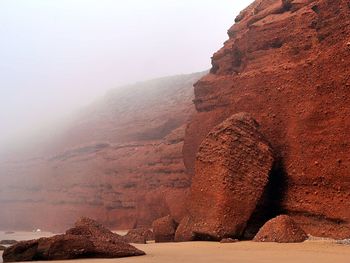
column 281, row 229
column 87, row 239
column 232, row 170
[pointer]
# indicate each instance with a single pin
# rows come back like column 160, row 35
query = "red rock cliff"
column 287, row 64
column 119, row 161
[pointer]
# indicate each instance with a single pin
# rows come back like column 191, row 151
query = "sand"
column 241, row 252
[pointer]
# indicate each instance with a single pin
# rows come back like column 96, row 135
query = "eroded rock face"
column 281, row 229
column 164, row 229
column 232, row 169
column 88, row 239
column 288, row 68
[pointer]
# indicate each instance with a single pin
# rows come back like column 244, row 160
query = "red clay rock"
column 281, row 229
column 88, row 239
column 232, row 169
column 289, row 70
column 91, row 228
column 139, row 236
column 164, row 229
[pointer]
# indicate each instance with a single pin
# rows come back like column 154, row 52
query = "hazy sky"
column 58, row 55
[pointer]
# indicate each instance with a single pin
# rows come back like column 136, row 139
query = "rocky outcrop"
column 2, row 248
column 287, row 66
column 281, row 229
column 88, row 239
column 232, row 169
column 139, row 236
column 119, row 161
column 164, row 229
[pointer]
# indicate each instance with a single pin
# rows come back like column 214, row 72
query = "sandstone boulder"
column 91, row 228
column 281, row 229
column 139, row 236
column 164, row 229
column 232, row 169
column 91, row 241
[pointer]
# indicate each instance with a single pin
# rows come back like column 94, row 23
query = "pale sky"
column 59, row 55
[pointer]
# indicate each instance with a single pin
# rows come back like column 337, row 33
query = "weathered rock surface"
column 139, row 236
column 2, row 247
column 88, row 239
column 119, row 161
column 288, row 68
column 91, row 228
column 281, row 229
column 164, row 229
column 232, row 169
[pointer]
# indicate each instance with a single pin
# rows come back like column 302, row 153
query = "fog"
column 59, row 55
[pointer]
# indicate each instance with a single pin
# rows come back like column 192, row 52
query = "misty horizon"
column 59, row 56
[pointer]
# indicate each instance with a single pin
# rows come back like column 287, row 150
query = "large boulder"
column 164, row 229
column 232, row 169
column 281, row 229
column 93, row 241
column 139, row 236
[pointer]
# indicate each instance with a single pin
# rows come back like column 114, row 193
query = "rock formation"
column 139, row 236
column 286, row 64
column 281, row 229
column 164, row 229
column 88, row 239
column 91, row 228
column 119, row 161
column 231, row 171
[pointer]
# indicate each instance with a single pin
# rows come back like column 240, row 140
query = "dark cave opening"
column 270, row 203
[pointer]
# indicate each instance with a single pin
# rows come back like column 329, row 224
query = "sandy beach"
column 212, row 252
